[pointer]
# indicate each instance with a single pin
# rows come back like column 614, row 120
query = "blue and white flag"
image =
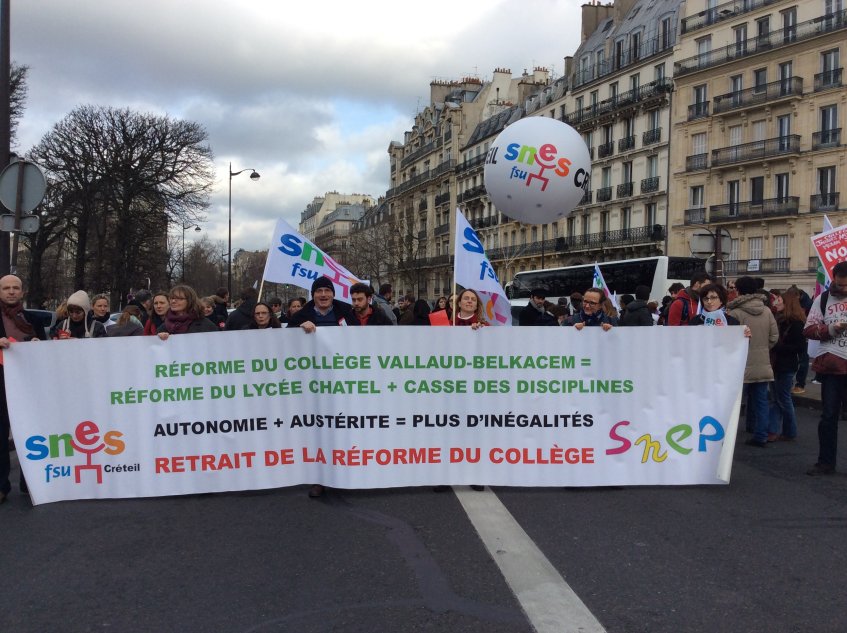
column 599, row 282
column 292, row 259
column 472, row 269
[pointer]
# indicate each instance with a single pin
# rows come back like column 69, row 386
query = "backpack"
column 683, row 319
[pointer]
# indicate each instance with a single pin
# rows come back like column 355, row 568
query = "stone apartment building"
column 758, row 155
column 698, row 117
column 321, row 206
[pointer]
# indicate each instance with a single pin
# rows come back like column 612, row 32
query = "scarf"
column 178, row 323
column 15, row 314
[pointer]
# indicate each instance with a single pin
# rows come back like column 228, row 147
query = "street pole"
column 5, row 115
column 253, row 176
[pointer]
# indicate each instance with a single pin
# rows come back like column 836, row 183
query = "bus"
column 657, row 273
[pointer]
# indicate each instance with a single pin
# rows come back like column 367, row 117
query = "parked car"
column 47, row 318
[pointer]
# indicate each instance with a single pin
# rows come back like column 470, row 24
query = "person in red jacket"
column 687, row 302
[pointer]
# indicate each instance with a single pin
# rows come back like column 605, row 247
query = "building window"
column 781, row 183
column 757, row 189
column 780, row 246
column 659, row 72
column 650, row 214
column 760, row 79
column 696, row 197
column 754, row 248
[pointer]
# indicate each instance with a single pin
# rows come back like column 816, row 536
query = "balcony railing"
column 647, row 49
column 649, row 91
column 620, row 237
column 470, row 194
column 442, row 229
column 604, row 194
column 484, row 223
column 606, row 149
column 760, row 43
column 624, row 189
column 420, row 152
column 756, row 150
column 442, row 198
column 771, row 208
column 826, row 138
column 759, row 95
column 649, row 185
column 824, row 202
column 695, row 216
column 721, row 12
column 828, row 79
column 743, row 266
column 445, row 167
column 587, row 197
column 651, row 136
column 476, row 161
column 626, row 143
column 698, row 110
column 696, row 162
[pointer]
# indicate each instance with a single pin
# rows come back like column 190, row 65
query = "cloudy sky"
column 309, row 94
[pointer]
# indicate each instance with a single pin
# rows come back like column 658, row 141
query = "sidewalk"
column 810, row 399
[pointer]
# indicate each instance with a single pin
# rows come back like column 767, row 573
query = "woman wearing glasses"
column 184, row 315
column 80, row 322
column 263, row 318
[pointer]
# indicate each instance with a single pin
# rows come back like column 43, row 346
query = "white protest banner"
column 292, row 259
column 375, row 408
column 472, row 269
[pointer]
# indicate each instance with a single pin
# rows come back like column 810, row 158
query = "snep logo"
column 293, row 246
column 86, row 439
column 544, row 158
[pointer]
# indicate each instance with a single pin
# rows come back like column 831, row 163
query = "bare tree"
column 123, row 177
column 17, row 96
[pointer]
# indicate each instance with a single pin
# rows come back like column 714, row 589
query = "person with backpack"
column 827, row 323
column 686, row 304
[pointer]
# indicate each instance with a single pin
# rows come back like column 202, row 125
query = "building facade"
column 758, row 156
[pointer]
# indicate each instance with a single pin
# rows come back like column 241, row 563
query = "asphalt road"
column 766, row 553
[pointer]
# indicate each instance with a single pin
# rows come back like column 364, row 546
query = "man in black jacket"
column 242, row 316
column 322, row 311
column 534, row 312
column 636, row 311
column 366, row 313
column 16, row 325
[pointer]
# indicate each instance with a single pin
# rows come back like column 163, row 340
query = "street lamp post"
column 254, row 175
column 185, row 227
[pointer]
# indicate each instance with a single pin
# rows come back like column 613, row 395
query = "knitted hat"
column 80, row 300
column 322, row 282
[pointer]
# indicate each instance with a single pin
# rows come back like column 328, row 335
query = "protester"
column 407, row 315
column 263, row 318
column 294, row 306
column 128, row 323
column 80, row 323
column 209, row 304
column 184, row 315
column 576, row 303
column 144, row 300
column 713, row 298
column 591, row 314
column 750, row 310
column 609, row 309
column 100, row 310
column 361, row 296
column 16, row 325
column 826, row 323
column 243, row 314
column 324, row 310
column 686, row 303
column 638, row 312
column 221, row 299
column 420, row 313
column 440, row 304
column 785, row 358
column 159, row 304
column 276, row 306
column 470, row 310
column 382, row 300
column 535, row 312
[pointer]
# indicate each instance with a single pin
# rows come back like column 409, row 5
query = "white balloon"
column 537, row 170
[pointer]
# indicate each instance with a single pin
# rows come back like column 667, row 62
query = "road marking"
column 547, row 600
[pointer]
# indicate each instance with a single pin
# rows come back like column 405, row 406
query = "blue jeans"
column 758, row 419
column 782, row 417
column 833, row 394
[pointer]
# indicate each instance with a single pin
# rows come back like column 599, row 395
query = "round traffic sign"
column 32, row 189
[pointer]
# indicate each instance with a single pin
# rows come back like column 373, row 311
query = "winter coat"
column 750, row 310
column 530, row 315
column 636, row 313
column 241, row 316
column 785, row 355
column 341, row 311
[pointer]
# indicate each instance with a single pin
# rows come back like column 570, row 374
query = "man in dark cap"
column 144, row 300
column 322, row 311
column 535, row 313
